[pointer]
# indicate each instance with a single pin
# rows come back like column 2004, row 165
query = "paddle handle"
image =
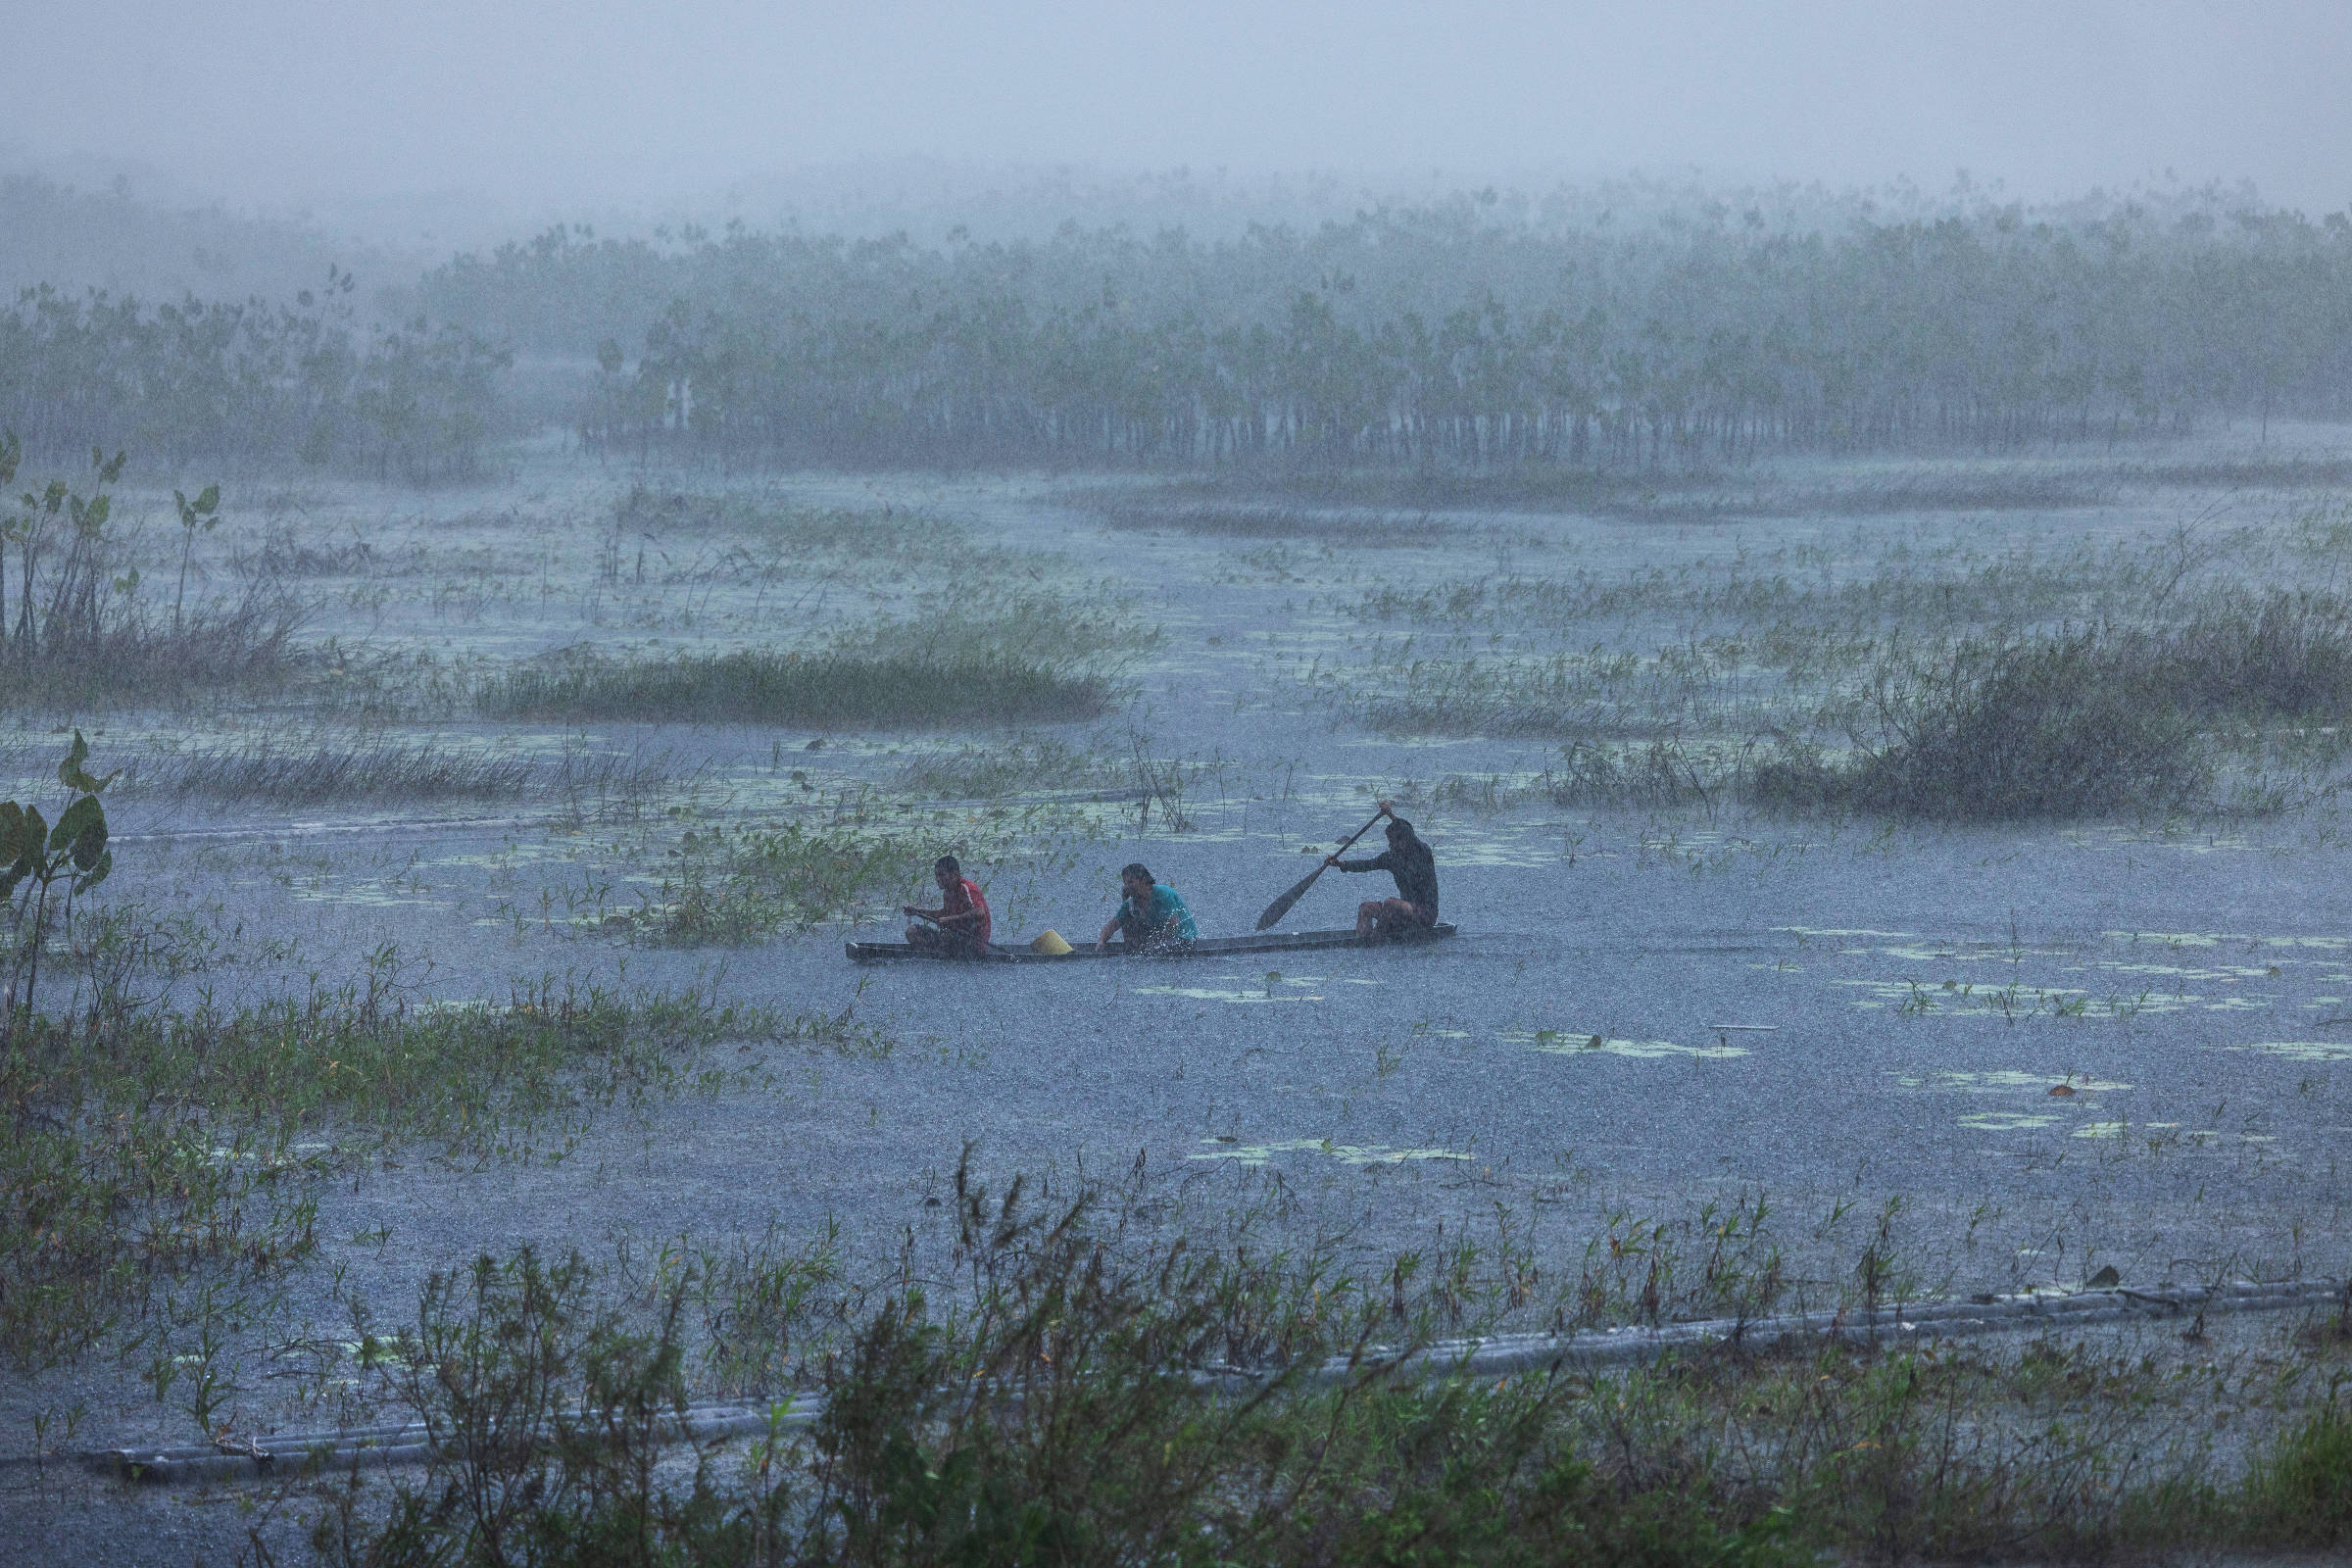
column 1282, row 905
column 1362, row 831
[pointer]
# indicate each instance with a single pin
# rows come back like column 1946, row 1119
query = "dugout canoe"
column 1205, row 948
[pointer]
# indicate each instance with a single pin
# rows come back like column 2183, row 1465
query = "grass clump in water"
column 1019, row 659
column 362, row 768
column 1997, row 725
column 144, row 1141
column 80, row 632
column 1023, row 764
column 1375, row 530
column 2077, row 723
column 733, row 887
column 377, row 770
column 131, row 656
column 2004, row 728
column 817, row 691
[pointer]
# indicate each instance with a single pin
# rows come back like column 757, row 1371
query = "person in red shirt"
column 958, row 928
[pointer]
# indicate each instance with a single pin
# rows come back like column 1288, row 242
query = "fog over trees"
column 1608, row 327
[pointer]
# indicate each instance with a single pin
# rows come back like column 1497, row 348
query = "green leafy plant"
column 202, row 514
column 40, row 857
column 78, row 628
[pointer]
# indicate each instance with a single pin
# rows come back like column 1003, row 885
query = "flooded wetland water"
column 1702, row 967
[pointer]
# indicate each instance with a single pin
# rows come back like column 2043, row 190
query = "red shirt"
column 966, row 895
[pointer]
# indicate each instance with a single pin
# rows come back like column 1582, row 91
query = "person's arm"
column 1378, row 862
column 1109, row 926
column 947, row 917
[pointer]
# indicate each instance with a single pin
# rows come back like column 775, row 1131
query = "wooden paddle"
column 1282, row 905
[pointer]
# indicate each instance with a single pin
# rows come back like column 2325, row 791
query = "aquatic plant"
column 83, row 632
column 819, row 690
column 146, row 1140
column 1080, row 1387
column 38, row 857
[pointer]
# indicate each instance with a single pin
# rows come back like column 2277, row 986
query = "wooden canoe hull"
column 1205, row 948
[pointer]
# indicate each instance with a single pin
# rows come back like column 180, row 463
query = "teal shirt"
column 1165, row 906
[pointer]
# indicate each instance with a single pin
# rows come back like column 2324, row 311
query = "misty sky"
column 646, row 106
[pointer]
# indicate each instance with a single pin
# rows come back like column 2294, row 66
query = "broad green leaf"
column 83, row 816
column 73, row 776
column 96, row 874
column 208, row 501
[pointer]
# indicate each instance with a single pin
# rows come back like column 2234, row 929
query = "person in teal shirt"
column 1150, row 918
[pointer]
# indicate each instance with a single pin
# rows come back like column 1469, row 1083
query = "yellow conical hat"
column 1049, row 943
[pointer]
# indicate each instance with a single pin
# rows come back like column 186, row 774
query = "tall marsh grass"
column 1021, row 656
column 136, row 655
column 364, row 767
column 2078, row 722
column 2028, row 718
column 144, row 1141
column 816, row 691
column 1082, row 1387
column 1372, row 530
column 743, row 885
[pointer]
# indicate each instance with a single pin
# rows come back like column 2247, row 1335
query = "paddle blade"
column 1282, row 905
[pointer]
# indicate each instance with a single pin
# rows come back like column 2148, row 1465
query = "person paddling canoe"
column 1150, row 918
column 1409, row 860
column 960, row 926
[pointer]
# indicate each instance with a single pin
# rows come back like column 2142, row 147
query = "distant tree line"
column 1460, row 333
column 251, row 382
column 1437, row 335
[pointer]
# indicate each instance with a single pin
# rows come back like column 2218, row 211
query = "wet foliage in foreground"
column 1077, row 1393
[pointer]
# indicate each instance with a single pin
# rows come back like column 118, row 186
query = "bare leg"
column 1387, row 919
column 921, row 936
